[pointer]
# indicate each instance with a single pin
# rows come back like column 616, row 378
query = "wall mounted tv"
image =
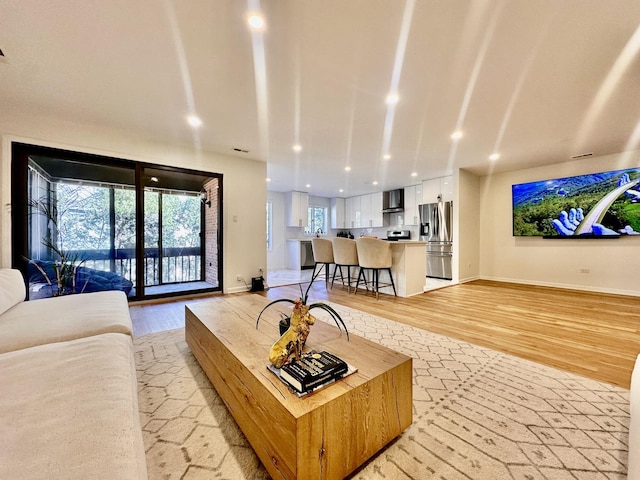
column 603, row 204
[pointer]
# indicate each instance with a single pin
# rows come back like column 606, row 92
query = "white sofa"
column 633, row 466
column 68, row 389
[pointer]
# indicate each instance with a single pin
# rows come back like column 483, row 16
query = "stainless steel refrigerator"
column 436, row 227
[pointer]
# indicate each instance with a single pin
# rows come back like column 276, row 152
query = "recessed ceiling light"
column 297, row 148
column 256, row 22
column 194, row 121
column 494, row 156
column 414, row 174
column 456, row 135
column 347, row 169
column 268, row 179
column 392, row 99
column 308, row 185
column 341, row 190
column 375, row 182
column 386, row 156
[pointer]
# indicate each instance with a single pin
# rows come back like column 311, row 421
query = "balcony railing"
column 175, row 265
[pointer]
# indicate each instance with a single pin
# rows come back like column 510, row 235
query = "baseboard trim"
column 238, row 289
column 469, row 279
column 583, row 288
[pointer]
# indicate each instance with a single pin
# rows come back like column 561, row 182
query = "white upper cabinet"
column 338, row 219
column 435, row 187
column 375, row 210
column 446, row 188
column 297, row 206
column 412, row 198
column 371, row 210
column 430, row 190
column 364, row 211
column 353, row 212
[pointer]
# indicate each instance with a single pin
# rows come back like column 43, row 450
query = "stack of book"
column 314, row 370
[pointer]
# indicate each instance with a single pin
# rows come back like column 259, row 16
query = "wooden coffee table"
column 325, row 435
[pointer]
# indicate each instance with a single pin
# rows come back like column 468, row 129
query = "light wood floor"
column 591, row 334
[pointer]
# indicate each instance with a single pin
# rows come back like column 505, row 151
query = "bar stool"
column 345, row 254
column 322, row 255
column 374, row 255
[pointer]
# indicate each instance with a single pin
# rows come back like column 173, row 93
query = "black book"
column 312, row 370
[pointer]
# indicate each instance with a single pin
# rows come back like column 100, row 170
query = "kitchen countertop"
column 412, row 242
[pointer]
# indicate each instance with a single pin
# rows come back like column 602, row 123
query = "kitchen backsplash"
column 298, row 233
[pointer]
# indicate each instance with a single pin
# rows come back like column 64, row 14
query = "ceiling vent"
column 583, row 155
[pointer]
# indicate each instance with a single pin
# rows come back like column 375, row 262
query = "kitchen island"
column 409, row 267
column 409, row 264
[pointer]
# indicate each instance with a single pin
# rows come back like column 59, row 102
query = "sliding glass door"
column 82, row 222
column 172, row 239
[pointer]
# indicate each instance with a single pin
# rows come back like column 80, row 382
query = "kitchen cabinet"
column 375, row 210
column 442, row 186
column 353, row 212
column 297, row 206
column 338, row 211
column 364, row 211
column 412, row 198
column 430, row 190
column 446, row 188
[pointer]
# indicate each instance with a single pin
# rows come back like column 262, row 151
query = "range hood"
column 393, row 201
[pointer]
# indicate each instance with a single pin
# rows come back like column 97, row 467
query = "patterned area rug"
column 279, row 278
column 478, row 414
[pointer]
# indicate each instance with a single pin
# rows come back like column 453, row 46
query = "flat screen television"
column 603, row 204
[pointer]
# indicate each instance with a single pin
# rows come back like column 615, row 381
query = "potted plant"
column 61, row 272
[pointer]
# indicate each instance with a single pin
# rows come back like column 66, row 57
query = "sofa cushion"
column 59, row 319
column 12, row 289
column 70, row 410
column 87, row 279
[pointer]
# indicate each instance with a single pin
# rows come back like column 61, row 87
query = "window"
column 75, row 220
column 317, row 220
column 269, row 227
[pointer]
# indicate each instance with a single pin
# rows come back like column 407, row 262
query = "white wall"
column 613, row 264
column 276, row 257
column 466, row 220
column 243, row 181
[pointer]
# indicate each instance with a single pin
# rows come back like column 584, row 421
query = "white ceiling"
column 538, row 81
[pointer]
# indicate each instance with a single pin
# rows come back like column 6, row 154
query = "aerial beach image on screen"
column 599, row 204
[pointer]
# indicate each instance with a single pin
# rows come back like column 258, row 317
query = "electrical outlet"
column 584, row 270
column 239, row 278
